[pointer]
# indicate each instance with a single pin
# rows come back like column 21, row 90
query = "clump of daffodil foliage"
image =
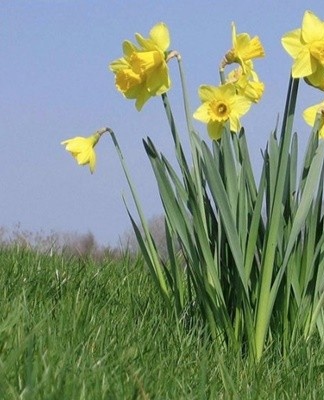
column 245, row 258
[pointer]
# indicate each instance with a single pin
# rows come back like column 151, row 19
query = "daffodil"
column 143, row 71
column 82, row 148
column 219, row 105
column 310, row 115
column 244, row 48
column 128, row 81
column 248, row 83
column 306, row 46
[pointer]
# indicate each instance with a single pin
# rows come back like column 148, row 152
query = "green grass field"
column 78, row 329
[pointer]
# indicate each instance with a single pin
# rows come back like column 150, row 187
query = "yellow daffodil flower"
column 306, row 46
column 247, row 84
column 130, row 83
column 219, row 105
column 310, row 115
column 82, row 148
column 143, row 71
column 244, row 48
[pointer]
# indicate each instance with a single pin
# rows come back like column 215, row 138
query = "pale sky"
column 55, row 84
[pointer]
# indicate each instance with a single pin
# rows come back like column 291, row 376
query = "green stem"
column 151, row 248
column 195, row 144
column 185, row 96
column 222, row 75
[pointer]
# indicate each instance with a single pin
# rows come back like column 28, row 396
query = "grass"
column 78, row 329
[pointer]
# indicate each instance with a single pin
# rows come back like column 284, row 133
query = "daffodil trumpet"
column 244, row 48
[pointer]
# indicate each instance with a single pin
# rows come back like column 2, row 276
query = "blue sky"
column 55, row 84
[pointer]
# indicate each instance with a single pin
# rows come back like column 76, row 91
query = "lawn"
column 74, row 328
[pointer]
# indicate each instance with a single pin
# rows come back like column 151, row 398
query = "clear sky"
column 55, row 84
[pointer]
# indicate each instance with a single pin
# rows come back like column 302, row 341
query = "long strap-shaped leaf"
column 311, row 184
column 264, row 306
column 220, row 196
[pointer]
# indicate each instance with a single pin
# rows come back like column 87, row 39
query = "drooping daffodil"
column 219, row 105
column 244, row 49
column 248, row 83
column 82, row 148
column 143, row 71
column 310, row 115
column 306, row 46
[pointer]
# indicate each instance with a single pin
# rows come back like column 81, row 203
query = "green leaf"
column 222, row 202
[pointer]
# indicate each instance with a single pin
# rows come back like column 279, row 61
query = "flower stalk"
column 148, row 246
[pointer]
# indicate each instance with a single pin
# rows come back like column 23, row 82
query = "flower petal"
column 159, row 81
column 291, row 42
column 76, row 144
column 92, row 161
column 310, row 113
column 147, row 44
column 142, row 96
column 235, row 125
column 160, row 35
column 207, row 92
column 310, row 116
column 84, row 157
column 215, row 129
column 304, row 64
column 240, row 105
column 312, row 28
column 228, row 90
column 118, row 65
column 203, row 113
